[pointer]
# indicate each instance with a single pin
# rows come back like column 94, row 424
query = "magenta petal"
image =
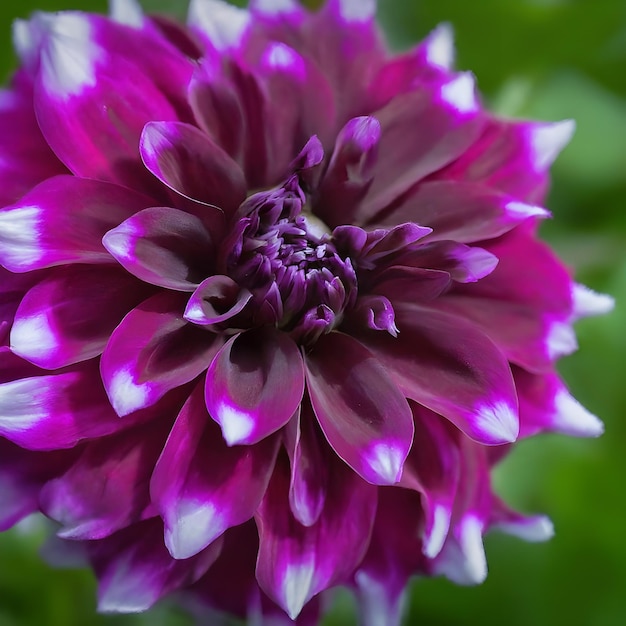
column 254, row 385
column 295, row 562
column 57, row 411
column 152, row 351
column 186, row 160
column 63, row 220
column 451, row 367
column 411, row 284
column 107, row 487
column 308, row 454
column 164, row 247
column 69, row 316
column 135, row 570
column 462, row 211
column 362, row 413
column 199, row 501
column 217, row 299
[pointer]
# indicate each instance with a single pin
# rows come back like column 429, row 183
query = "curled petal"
column 254, row 385
column 362, row 413
column 216, row 300
column 162, row 246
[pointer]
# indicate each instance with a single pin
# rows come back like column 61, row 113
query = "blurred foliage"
column 549, row 59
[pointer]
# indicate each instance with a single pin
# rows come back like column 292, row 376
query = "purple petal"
column 217, row 299
column 308, row 455
column 254, row 385
column 199, row 501
column 410, row 284
column 107, row 487
column 294, row 562
column 462, row 211
column 448, row 365
column 69, row 316
column 164, row 247
column 422, row 131
column 186, row 160
column 532, row 528
column 362, row 413
column 152, row 351
column 135, row 570
column 63, row 220
column 57, row 411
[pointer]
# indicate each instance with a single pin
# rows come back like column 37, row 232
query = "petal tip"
column 440, row 47
column 573, row 418
column 547, row 141
column 460, row 93
column 497, row 423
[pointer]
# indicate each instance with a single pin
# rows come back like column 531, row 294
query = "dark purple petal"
column 254, row 385
column 135, row 570
column 295, row 562
column 69, row 316
column 451, row 367
column 422, row 131
column 164, row 247
column 58, row 410
column 187, row 160
column 308, row 454
column 63, row 220
column 217, row 299
column 410, row 284
column 107, row 487
column 362, row 413
column 200, row 486
column 152, row 351
column 462, row 211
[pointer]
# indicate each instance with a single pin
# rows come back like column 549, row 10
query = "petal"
column 153, row 351
column 448, row 365
column 63, row 220
column 199, row 501
column 164, row 247
column 411, row 284
column 92, row 97
column 531, row 528
column 222, row 25
column 362, row 413
column 106, row 488
column 254, row 385
column 422, row 131
column 217, row 299
column 135, row 570
column 462, row 211
column 186, row 160
column 69, row 316
column 294, row 562
column 59, row 410
column 308, row 455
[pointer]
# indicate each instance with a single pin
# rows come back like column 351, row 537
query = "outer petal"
column 69, row 316
column 295, row 562
column 451, row 367
column 153, row 351
column 254, row 385
column 216, row 300
column 362, row 413
column 164, row 247
column 186, row 160
column 57, row 411
column 106, row 488
column 134, row 569
column 200, row 486
column 63, row 220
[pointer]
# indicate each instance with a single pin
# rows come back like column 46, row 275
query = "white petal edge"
column 357, row 10
column 33, row 338
column 588, row 302
column 572, row 418
column 440, row 47
column 19, row 238
column 125, row 394
column 127, row 12
column 460, row 93
column 498, row 420
column 224, row 24
column 195, row 522
column 532, row 529
column 547, row 141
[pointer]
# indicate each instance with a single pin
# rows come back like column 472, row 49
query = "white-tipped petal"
column 572, row 418
column 297, row 584
column 125, row 394
column 357, row 10
column 224, row 24
column 33, row 338
column 440, row 47
column 521, row 210
column 127, row 12
column 587, row 302
column 434, row 543
column 499, row 420
column 461, row 93
column 561, row 340
column 471, row 541
column 532, row 529
column 236, row 425
column 548, row 140
column 275, row 7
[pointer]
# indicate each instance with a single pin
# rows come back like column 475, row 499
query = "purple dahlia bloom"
column 273, row 305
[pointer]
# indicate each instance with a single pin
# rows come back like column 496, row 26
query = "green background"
column 549, row 59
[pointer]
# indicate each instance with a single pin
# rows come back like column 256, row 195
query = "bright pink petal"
column 188, row 161
column 451, row 367
column 152, row 351
column 362, row 413
column 254, row 385
column 164, row 247
column 69, row 316
column 63, row 220
column 199, row 501
column 295, row 562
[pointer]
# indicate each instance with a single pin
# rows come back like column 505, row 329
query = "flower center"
column 285, row 257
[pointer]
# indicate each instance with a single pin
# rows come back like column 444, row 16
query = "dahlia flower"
column 273, row 306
